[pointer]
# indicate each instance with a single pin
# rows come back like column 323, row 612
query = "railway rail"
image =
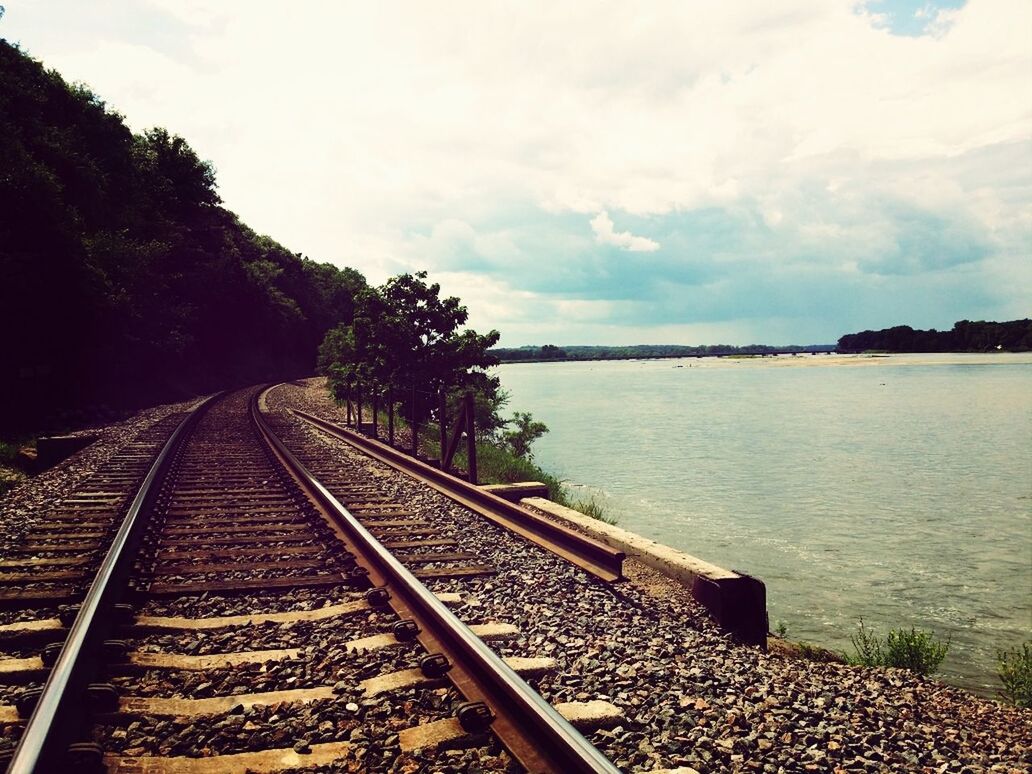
column 217, row 607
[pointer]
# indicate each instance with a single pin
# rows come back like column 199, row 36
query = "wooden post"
column 443, row 421
column 456, row 435
column 358, row 400
column 376, row 412
column 471, row 439
column 349, row 408
column 390, row 414
column 415, row 425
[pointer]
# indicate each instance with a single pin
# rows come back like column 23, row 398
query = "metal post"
column 443, row 421
column 471, row 438
column 390, row 415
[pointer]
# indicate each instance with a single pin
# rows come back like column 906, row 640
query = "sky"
column 605, row 172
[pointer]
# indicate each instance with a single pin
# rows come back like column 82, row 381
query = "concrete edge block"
column 736, row 601
column 517, row 491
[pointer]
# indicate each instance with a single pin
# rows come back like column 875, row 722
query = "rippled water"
column 895, row 488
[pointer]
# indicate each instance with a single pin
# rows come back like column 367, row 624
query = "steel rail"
column 59, row 717
column 537, row 736
column 595, row 557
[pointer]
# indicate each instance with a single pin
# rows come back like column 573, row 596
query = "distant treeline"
column 966, row 336
column 122, row 279
column 644, row 351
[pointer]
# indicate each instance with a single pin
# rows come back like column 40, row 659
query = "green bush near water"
column 1015, row 669
column 918, row 651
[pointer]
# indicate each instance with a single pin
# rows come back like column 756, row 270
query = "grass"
column 8, row 451
column 916, row 650
column 595, row 509
column 10, row 475
column 496, row 464
column 1015, row 669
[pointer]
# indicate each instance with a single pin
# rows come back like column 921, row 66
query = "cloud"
column 806, row 164
column 602, row 225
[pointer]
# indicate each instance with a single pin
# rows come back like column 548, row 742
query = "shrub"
column 918, row 651
column 1015, row 669
column 868, row 648
column 915, row 650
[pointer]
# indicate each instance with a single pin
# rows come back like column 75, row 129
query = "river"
column 893, row 488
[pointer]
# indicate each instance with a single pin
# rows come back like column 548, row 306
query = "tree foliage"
column 124, row 279
column 405, row 335
column 966, row 336
column 525, row 430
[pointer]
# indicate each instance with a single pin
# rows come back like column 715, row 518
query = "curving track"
column 266, row 626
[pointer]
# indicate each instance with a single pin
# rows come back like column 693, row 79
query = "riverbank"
column 892, row 489
column 693, row 698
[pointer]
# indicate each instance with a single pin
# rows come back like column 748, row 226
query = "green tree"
column 524, row 432
column 405, row 334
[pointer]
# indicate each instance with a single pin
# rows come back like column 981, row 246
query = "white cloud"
column 347, row 130
column 602, row 225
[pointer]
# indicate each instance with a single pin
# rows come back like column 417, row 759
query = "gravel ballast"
column 691, row 697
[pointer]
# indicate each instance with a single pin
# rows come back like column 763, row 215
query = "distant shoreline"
column 803, row 358
column 612, row 353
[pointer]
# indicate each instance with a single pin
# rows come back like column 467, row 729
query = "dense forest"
column 641, row 351
column 966, row 336
column 124, row 279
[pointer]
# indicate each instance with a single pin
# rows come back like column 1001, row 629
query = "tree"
column 405, row 334
column 525, row 431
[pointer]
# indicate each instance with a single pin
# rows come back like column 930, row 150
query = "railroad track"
column 242, row 618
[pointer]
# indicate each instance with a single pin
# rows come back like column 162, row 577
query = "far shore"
column 818, row 359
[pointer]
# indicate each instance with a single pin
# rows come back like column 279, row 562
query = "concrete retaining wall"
column 737, row 602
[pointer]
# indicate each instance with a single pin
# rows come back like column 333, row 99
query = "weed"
column 868, row 648
column 781, row 629
column 918, row 651
column 816, row 653
column 595, row 509
column 1015, row 669
column 8, row 451
column 915, row 650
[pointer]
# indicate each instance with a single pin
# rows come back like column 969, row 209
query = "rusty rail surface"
column 591, row 555
column 531, row 729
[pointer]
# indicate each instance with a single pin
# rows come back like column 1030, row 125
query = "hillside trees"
column 124, row 280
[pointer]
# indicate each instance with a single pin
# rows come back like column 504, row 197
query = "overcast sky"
column 622, row 172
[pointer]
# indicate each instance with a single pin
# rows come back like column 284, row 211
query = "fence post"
column 415, row 425
column 443, row 420
column 349, row 408
column 390, row 414
column 358, row 421
column 376, row 412
column 471, row 438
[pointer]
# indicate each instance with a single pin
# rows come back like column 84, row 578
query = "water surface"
column 897, row 489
